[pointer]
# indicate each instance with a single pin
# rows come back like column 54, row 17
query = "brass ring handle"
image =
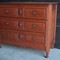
column 34, row 26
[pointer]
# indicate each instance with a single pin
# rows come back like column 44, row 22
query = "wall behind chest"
column 57, row 43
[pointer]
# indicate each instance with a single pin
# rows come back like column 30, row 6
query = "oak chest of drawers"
column 29, row 24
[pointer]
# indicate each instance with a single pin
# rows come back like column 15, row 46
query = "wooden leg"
column 47, row 53
column 52, row 45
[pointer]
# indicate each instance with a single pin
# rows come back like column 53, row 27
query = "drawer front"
column 9, row 12
column 12, row 36
column 35, row 37
column 8, row 24
column 8, row 35
column 39, row 13
column 36, row 26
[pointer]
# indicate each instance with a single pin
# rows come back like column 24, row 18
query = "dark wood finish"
column 28, row 24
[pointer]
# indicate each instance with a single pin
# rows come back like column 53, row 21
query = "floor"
column 9, row 52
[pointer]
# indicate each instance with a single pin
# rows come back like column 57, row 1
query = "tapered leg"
column 52, row 44
column 47, row 53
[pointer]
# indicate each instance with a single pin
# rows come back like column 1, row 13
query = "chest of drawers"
column 29, row 24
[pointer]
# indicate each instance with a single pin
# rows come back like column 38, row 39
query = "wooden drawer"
column 12, row 23
column 35, row 37
column 12, row 36
column 39, row 13
column 9, row 12
column 8, row 24
column 36, row 26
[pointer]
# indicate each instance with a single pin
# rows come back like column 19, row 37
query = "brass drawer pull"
column 34, row 12
column 19, row 11
column 34, row 25
column 8, row 34
column 7, row 23
column 21, row 36
column 18, row 36
column 20, row 24
column 6, row 11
